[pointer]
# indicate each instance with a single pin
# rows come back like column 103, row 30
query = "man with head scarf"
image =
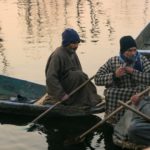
column 64, row 74
column 123, row 76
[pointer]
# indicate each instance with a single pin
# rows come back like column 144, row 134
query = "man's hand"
column 129, row 70
column 65, row 97
column 121, row 71
column 135, row 99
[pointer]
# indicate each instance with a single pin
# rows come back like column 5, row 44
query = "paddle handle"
column 101, row 122
column 109, row 116
column 45, row 112
column 143, row 92
column 82, row 85
column 59, row 102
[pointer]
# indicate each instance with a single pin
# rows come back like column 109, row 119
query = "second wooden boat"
column 143, row 46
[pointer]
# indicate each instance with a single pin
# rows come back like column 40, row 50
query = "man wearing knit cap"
column 64, row 74
column 123, row 76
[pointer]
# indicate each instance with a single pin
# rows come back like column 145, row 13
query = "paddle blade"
column 31, row 127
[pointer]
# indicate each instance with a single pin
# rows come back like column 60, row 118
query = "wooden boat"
column 17, row 97
column 12, row 87
column 143, row 46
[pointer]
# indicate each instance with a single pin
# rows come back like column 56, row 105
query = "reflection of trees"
column 3, row 57
column 94, row 21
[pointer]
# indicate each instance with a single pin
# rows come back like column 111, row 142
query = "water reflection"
column 111, row 30
column 61, row 132
column 4, row 62
column 42, row 20
column 145, row 11
column 65, row 12
column 94, row 22
column 81, row 14
column 34, row 15
column 40, row 17
column 79, row 20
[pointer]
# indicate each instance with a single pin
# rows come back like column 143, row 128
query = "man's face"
column 130, row 53
column 74, row 46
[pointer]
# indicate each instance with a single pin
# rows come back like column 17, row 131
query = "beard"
column 74, row 48
column 129, row 60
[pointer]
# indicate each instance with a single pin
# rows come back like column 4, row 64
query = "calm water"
column 30, row 30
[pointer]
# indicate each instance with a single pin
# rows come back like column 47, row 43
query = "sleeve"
column 143, row 77
column 104, row 75
column 53, row 70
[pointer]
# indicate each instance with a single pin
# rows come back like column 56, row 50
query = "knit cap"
column 70, row 36
column 126, row 42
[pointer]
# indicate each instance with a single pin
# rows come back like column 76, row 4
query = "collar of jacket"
column 69, row 51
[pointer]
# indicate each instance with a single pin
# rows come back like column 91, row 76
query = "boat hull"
column 27, row 109
column 13, row 87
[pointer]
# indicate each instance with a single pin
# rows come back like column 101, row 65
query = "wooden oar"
column 135, row 110
column 79, row 138
column 57, row 103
